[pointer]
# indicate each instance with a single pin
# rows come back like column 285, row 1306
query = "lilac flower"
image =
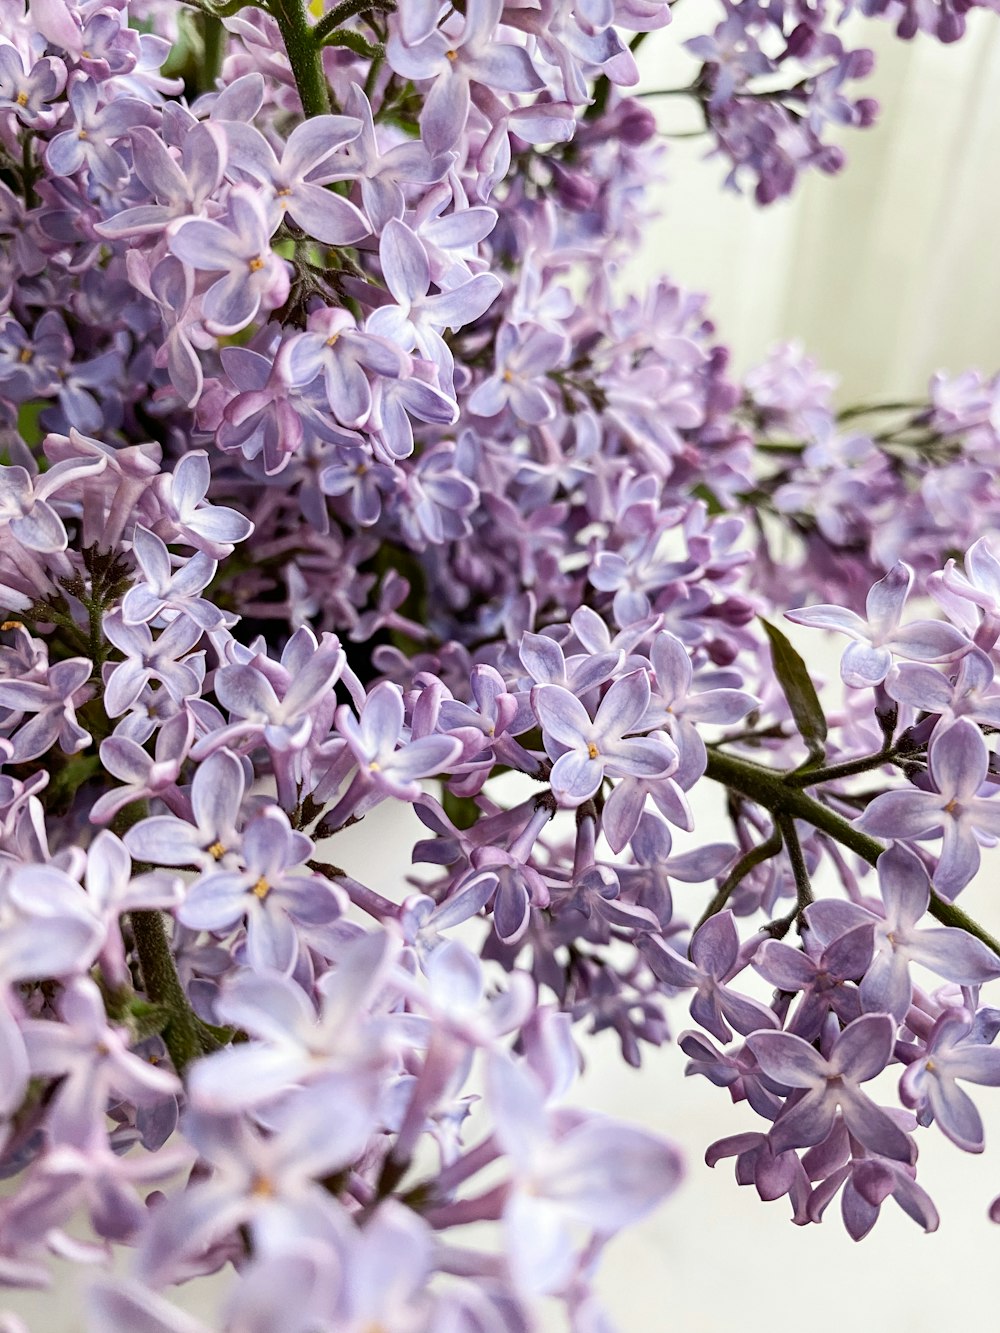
column 216, row 801
column 861, row 1051
column 163, row 589
column 958, row 761
column 674, row 706
column 291, row 1045
column 25, row 502
column 140, row 774
column 335, row 348
column 978, row 586
column 714, row 961
column 867, row 660
column 586, row 750
column 241, row 251
column 112, row 891
column 439, row 498
column 88, row 143
column 596, row 1173
column 523, row 357
column 947, row 951
column 364, row 481
column 28, row 92
column 260, row 1177
column 382, row 175
column 772, row 1174
column 373, row 739
column 955, row 1050
column 456, row 60
column 291, row 182
column 185, row 187
column 971, row 695
column 285, row 722
column 417, row 319
column 209, row 527
column 53, row 702
column 264, row 893
column 147, row 659
column 868, row 1180
column 821, row 981
column 91, row 1061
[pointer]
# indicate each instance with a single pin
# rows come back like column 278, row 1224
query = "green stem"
column 304, row 56
column 771, row 790
column 809, row 777
column 184, row 1034
column 762, row 852
column 803, row 884
column 214, row 38
column 690, row 91
column 868, row 409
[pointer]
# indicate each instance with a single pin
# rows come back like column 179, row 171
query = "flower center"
column 216, row 851
column 256, row 264
column 592, row 750
column 22, row 98
column 261, row 889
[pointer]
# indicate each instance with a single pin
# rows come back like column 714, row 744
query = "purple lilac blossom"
column 388, row 497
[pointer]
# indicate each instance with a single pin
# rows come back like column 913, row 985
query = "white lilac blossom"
column 336, row 473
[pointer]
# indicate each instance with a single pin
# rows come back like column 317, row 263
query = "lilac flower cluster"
column 844, row 496
column 336, row 475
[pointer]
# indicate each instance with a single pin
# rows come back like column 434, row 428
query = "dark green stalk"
column 803, row 884
column 184, row 1034
column 809, row 777
column 213, row 37
column 762, row 852
column 868, row 409
column 771, row 790
column 304, row 56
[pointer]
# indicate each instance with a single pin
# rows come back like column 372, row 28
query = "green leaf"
column 798, row 689
column 461, row 810
column 354, row 42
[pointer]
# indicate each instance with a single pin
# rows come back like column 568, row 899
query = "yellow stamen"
column 216, row 851
column 256, row 264
column 262, row 888
column 592, row 750
column 22, row 98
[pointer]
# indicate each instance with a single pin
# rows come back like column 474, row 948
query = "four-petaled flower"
column 586, row 749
